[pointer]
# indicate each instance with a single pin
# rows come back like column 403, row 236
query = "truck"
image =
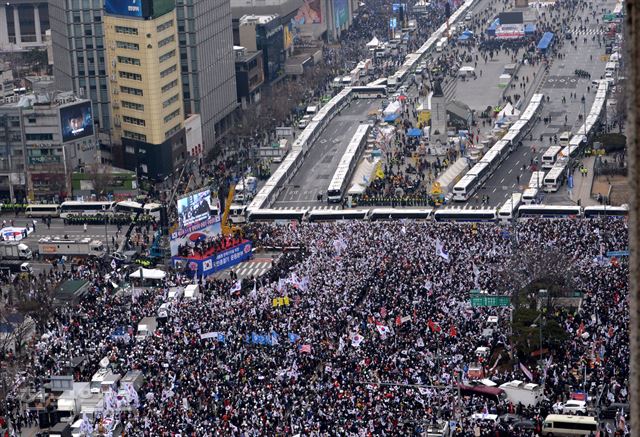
column 245, row 189
column 85, row 247
column 15, row 250
column 15, row 266
column 528, row 395
column 146, row 328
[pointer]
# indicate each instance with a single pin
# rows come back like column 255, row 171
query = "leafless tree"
column 101, row 177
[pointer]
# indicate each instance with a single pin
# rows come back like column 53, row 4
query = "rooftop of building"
column 40, row 99
column 258, row 19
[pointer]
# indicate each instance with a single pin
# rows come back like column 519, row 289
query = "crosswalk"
column 589, row 32
column 246, row 270
column 313, row 208
column 76, row 236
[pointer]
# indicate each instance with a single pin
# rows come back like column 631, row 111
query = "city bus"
column 72, row 207
column 348, row 163
column 465, row 187
column 330, row 215
column 537, row 180
column 565, row 425
column 564, row 138
column 153, row 210
column 465, row 215
column 400, row 213
column 553, row 180
column 42, row 210
column 129, row 207
column 276, row 215
column 509, row 210
column 606, row 211
column 549, row 211
column 529, row 196
column 550, row 157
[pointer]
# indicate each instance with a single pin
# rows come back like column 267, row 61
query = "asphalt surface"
column 559, row 82
column 315, row 174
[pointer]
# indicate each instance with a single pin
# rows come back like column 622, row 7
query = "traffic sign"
column 490, row 301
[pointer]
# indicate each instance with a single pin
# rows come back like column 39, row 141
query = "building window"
column 165, row 26
column 127, row 45
column 134, row 135
column 130, row 76
column 129, row 90
column 170, row 101
column 171, row 131
column 172, row 84
column 127, row 60
column 167, row 40
column 133, row 120
column 132, row 105
column 130, row 149
column 126, row 30
column 168, row 71
column 171, row 116
column 167, row 56
column 39, row 137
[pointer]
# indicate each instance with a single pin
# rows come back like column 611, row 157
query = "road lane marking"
column 502, row 181
column 510, row 170
column 494, row 190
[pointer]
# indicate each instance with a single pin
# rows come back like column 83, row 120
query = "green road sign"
column 490, row 301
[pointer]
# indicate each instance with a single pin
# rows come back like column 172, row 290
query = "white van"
column 146, row 328
column 313, row 110
column 305, row 121
column 564, row 138
column 192, row 291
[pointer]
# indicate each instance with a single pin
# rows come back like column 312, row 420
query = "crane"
column 224, row 222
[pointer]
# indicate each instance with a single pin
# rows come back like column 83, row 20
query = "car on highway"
column 574, row 407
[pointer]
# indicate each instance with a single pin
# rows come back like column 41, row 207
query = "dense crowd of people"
column 368, row 303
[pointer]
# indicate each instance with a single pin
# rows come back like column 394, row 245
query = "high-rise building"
column 79, row 55
column 23, row 24
column 141, row 40
column 208, row 64
column 205, row 55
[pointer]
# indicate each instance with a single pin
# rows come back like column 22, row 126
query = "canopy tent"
column 529, row 29
column 375, row 42
column 545, row 41
column 391, row 118
column 393, row 108
column 143, row 273
column 414, row 132
column 508, row 112
column 466, row 69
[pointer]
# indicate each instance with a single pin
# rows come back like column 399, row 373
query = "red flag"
column 452, row 331
column 433, row 326
column 398, row 320
column 616, row 297
column 580, row 329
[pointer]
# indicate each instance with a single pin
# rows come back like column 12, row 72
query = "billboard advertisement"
column 130, row 8
column 194, row 208
column 206, row 229
column 341, row 13
column 309, row 13
column 76, row 121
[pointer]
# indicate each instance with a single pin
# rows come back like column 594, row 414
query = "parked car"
column 612, row 411
column 574, row 407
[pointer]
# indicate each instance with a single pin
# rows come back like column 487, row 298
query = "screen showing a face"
column 194, row 208
column 76, row 121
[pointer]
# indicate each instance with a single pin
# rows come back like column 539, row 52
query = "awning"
column 414, row 132
column 148, row 274
column 545, row 41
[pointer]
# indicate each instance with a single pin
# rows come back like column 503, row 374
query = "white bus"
column 465, row 215
column 399, row 213
column 564, row 425
column 549, row 211
column 553, row 180
column 465, row 188
column 348, row 163
column 152, row 209
column 276, row 215
column 331, row 215
column 509, row 210
column 550, row 157
column 564, row 138
column 133, row 208
column 42, row 210
column 537, row 179
column 606, row 211
column 529, row 196
column 73, row 207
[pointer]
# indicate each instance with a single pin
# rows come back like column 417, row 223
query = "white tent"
column 148, row 274
column 375, row 42
column 509, row 111
column 394, row 107
column 467, row 69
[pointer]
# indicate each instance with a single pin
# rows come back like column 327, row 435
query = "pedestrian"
column 85, row 227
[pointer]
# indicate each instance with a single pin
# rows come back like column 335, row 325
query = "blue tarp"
column 545, row 41
column 463, row 37
column 391, row 118
column 414, row 132
column 492, row 29
column 529, row 29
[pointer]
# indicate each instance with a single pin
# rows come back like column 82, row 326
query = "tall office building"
column 141, row 39
column 208, row 64
column 23, row 24
column 79, row 55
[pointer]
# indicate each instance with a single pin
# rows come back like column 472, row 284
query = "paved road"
column 58, row 230
column 560, row 82
column 316, row 172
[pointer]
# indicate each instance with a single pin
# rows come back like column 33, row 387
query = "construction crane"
column 224, row 222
